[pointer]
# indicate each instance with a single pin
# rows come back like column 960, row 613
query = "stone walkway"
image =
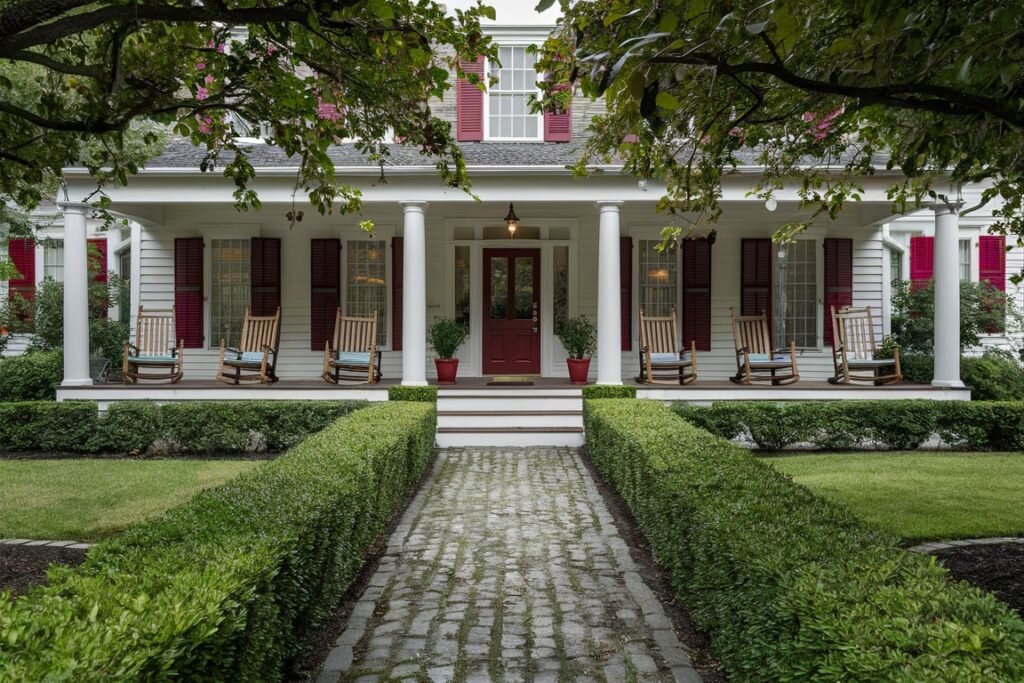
column 507, row 567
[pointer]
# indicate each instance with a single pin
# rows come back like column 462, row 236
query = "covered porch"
column 586, row 246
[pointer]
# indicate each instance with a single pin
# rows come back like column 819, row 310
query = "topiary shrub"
column 130, row 427
column 609, row 391
column 65, row 427
column 791, row 586
column 424, row 394
column 231, row 585
column 32, row 376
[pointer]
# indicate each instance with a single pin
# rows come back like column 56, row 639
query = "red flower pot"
column 578, row 369
column 447, row 368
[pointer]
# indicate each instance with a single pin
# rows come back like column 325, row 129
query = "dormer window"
column 508, row 115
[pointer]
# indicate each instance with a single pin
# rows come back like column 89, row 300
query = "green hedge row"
column 841, row 425
column 400, row 393
column 231, row 585
column 790, row 586
column 33, row 376
column 609, row 391
column 200, row 427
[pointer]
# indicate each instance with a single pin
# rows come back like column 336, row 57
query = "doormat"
column 511, row 381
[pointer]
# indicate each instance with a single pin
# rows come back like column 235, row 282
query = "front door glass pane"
column 524, row 288
column 462, row 285
column 499, row 288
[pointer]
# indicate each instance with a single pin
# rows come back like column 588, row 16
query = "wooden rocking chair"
column 757, row 359
column 854, row 349
column 155, row 355
column 255, row 359
column 352, row 354
column 662, row 361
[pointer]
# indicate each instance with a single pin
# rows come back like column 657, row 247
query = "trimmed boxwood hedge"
column 841, row 425
column 231, row 585
column 790, row 586
column 400, row 393
column 609, row 391
column 206, row 427
column 32, row 376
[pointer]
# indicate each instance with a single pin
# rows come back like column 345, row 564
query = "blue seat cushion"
column 246, row 358
column 360, row 358
column 146, row 359
column 869, row 363
column 668, row 358
column 769, row 358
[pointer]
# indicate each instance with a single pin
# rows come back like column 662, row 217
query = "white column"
column 414, row 295
column 609, row 317
column 947, row 295
column 76, row 296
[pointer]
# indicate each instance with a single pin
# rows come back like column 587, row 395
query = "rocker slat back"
column 857, row 332
column 658, row 335
column 355, row 334
column 258, row 331
column 154, row 331
column 751, row 332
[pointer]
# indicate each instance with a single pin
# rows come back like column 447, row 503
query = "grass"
column 921, row 495
column 89, row 499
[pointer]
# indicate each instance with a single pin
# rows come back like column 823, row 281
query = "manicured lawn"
column 921, row 495
column 85, row 499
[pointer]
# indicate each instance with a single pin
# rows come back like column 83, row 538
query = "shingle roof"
column 182, row 154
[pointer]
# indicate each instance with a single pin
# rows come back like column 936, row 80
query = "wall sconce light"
column 771, row 204
column 512, row 220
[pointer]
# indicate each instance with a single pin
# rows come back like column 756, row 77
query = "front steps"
column 526, row 416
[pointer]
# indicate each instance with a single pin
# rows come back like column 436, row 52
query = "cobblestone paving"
column 507, row 567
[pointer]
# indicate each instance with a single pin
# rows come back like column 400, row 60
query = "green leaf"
column 542, row 5
column 637, row 83
column 667, row 100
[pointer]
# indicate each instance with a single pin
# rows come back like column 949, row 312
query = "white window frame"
column 817, row 249
column 209, row 233
column 51, row 247
column 673, row 259
column 960, row 248
column 488, row 136
column 384, row 317
column 3, row 281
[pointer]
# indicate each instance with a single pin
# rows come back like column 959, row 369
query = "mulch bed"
column 996, row 567
column 24, row 566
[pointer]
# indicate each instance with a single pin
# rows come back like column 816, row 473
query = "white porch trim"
column 76, row 295
column 414, row 295
column 609, row 317
column 947, row 295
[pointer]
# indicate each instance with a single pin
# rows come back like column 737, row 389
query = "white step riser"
column 502, row 420
column 502, row 439
column 511, row 405
column 494, row 392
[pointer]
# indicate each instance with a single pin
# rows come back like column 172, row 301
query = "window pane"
column 53, row 261
column 800, row 290
column 965, row 259
column 657, row 279
column 366, row 291
column 560, row 303
column 499, row 288
column 524, row 288
column 510, row 115
column 229, row 289
column 462, row 285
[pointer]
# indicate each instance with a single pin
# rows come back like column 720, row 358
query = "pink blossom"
column 200, row 66
column 327, row 111
column 809, row 115
column 205, row 124
column 209, row 79
column 220, row 48
column 736, row 132
column 210, row 43
column 271, row 48
column 202, row 93
column 705, row 140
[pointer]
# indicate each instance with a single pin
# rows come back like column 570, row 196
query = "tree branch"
column 58, row 66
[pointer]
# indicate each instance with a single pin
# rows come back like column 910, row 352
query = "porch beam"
column 76, row 295
column 414, row 295
column 609, row 314
column 947, row 295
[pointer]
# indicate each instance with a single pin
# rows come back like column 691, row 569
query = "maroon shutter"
column 756, row 277
column 22, row 254
column 101, row 260
column 992, row 261
column 626, row 291
column 838, row 279
column 397, row 264
column 188, row 290
column 325, row 290
column 469, row 104
column 922, row 261
column 265, row 275
column 697, row 293
column 558, row 125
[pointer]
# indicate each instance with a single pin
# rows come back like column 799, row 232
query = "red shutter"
column 325, row 290
column 697, row 293
column 469, row 103
column 922, row 261
column 626, row 291
column 838, row 279
column 265, row 275
column 397, row 264
column 756, row 277
column 188, row 290
column 992, row 262
column 101, row 260
column 558, row 126
column 22, row 254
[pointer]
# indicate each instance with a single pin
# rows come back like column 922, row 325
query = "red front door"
column 511, row 312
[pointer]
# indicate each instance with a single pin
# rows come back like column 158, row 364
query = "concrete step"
column 509, row 404
column 526, row 418
column 513, row 436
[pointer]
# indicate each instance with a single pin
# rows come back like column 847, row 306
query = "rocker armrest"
column 267, row 348
column 232, row 349
column 133, row 347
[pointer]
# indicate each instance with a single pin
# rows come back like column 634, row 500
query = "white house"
column 582, row 247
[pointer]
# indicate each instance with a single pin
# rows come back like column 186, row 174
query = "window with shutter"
column 756, row 277
column 188, row 290
column 626, row 291
column 265, row 275
column 922, row 261
column 366, row 292
column 98, row 258
column 22, row 254
column 469, row 104
column 838, row 280
column 397, row 276
column 992, row 261
column 696, row 307
column 558, row 125
column 325, row 289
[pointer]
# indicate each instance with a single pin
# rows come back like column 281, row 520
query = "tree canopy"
column 96, row 82
column 815, row 90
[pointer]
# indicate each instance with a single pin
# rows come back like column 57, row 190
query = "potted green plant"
column 446, row 336
column 579, row 338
